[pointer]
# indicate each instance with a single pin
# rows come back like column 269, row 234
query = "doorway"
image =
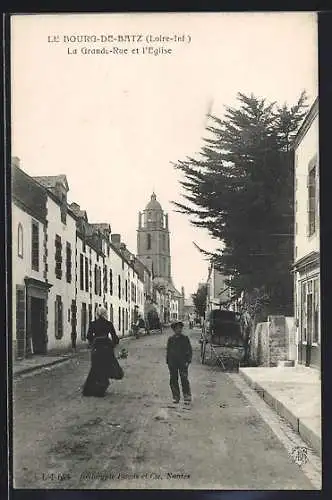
column 38, row 326
column 309, row 329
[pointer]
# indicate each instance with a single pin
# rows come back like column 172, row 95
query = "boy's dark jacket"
column 179, row 350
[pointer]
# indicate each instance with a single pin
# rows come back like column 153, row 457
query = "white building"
column 307, row 249
column 29, row 270
column 218, row 292
column 61, row 263
column 65, row 267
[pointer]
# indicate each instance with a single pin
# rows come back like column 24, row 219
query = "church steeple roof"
column 153, row 203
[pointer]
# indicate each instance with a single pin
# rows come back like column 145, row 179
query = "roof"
column 50, row 181
column 76, row 209
column 102, row 226
column 311, row 115
column 153, row 204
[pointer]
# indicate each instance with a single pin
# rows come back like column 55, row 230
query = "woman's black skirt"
column 104, row 366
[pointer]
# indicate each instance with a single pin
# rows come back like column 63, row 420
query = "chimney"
column 75, row 206
column 16, row 162
column 116, row 239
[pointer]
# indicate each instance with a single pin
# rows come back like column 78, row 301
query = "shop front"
column 308, row 310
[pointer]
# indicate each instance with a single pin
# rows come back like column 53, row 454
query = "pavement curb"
column 297, row 424
column 43, row 365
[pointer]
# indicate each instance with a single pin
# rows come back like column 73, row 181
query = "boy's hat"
column 176, row 323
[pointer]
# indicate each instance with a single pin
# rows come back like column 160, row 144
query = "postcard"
column 165, row 251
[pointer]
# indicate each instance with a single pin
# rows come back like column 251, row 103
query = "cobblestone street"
column 136, row 438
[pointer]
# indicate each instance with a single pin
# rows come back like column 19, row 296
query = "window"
column 111, row 282
column 126, row 290
column 58, row 257
column 35, row 246
column 316, row 309
column 312, row 201
column 99, row 280
column 119, row 319
column 105, row 279
column 58, row 318
column 81, row 271
column 111, row 313
column 310, row 311
column 86, row 274
column 68, row 262
column 119, row 286
column 148, row 245
column 20, row 240
column 96, row 280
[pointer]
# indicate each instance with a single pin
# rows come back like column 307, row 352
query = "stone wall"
column 278, row 339
column 271, row 341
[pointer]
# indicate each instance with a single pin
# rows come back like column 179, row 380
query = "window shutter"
column 35, row 246
column 60, row 319
column 56, row 319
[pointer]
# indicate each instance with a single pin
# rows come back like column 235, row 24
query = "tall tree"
column 199, row 299
column 241, row 189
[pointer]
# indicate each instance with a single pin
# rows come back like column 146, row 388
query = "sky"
column 114, row 123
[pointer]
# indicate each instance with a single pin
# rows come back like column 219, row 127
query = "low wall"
column 273, row 341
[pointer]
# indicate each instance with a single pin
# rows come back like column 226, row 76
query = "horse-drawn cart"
column 222, row 341
column 152, row 322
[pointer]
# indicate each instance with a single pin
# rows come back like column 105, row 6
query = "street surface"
column 136, row 437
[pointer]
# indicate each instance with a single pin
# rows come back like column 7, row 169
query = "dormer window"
column 63, row 209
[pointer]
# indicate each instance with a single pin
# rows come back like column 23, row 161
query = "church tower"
column 153, row 247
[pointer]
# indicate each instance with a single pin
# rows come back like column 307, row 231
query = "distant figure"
column 140, row 322
column 178, row 358
column 104, row 364
column 191, row 320
column 73, row 339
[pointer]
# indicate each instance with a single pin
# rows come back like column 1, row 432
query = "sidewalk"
column 295, row 394
column 35, row 362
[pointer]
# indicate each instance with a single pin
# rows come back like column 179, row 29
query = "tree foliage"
column 199, row 299
column 241, row 190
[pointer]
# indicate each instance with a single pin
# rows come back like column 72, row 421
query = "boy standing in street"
column 178, row 358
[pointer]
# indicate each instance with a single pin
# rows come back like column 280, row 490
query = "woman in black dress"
column 104, row 364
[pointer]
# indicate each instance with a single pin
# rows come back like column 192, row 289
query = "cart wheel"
column 203, row 351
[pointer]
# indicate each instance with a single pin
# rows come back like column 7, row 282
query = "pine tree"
column 241, row 189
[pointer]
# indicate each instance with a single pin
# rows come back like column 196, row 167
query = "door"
column 38, row 326
column 74, row 320
column 20, row 322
